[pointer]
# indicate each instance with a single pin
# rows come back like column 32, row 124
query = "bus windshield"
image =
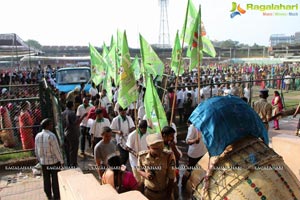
column 74, row 75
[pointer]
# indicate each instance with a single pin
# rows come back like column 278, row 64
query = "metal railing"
column 23, row 107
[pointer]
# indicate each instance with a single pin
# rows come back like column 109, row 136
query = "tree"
column 33, row 43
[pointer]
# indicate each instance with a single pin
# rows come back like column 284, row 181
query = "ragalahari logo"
column 236, row 10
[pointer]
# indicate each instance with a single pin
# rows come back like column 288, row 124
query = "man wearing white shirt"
column 97, row 128
column 93, row 90
column 105, row 100
column 180, row 104
column 137, row 142
column 141, row 113
column 287, row 82
column 48, row 153
column 122, row 125
column 247, row 92
column 83, row 109
column 196, row 146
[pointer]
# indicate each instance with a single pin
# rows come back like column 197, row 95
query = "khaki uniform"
column 264, row 109
column 163, row 169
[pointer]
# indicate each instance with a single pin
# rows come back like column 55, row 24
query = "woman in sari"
column 26, row 126
column 118, row 177
column 277, row 108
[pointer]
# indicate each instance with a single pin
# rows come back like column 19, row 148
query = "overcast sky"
column 79, row 22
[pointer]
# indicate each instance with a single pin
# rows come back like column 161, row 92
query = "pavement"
column 18, row 184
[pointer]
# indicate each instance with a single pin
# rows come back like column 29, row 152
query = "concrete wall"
column 288, row 146
column 75, row 185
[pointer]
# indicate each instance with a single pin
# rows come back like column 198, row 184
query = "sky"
column 77, row 22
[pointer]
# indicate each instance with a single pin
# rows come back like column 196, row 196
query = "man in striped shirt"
column 48, row 153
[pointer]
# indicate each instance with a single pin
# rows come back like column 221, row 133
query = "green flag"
column 107, row 85
column 119, row 47
column 189, row 23
column 189, row 29
column 112, row 42
column 125, row 61
column 176, row 56
column 114, row 57
column 196, row 47
column 97, row 66
column 208, row 47
column 112, row 69
column 136, row 68
column 151, row 62
column 153, row 107
column 104, row 50
column 128, row 89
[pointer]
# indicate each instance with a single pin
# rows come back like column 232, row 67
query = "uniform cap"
column 264, row 92
column 154, row 138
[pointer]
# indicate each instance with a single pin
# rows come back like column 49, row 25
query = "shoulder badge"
column 141, row 153
column 167, row 151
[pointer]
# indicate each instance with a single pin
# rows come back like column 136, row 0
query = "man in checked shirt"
column 48, row 153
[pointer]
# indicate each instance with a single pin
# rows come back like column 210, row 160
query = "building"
column 297, row 37
column 281, row 39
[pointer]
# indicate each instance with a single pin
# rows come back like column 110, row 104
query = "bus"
column 70, row 77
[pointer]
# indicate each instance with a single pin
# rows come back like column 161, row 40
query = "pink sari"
column 128, row 181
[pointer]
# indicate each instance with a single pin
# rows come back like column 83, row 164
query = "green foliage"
column 33, row 43
column 233, row 44
column 15, row 156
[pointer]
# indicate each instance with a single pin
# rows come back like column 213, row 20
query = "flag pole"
column 136, row 127
column 199, row 54
column 180, row 62
column 164, row 94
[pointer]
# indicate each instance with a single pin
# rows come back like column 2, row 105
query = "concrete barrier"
column 75, row 185
column 288, row 146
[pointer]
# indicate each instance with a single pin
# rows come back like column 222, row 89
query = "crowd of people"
column 117, row 136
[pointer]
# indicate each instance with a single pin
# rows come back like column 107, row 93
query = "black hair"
column 106, row 129
column 114, row 162
column 46, row 122
column 143, row 124
column 167, row 130
column 121, row 109
column 70, row 104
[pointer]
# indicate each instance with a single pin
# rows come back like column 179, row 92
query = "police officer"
column 263, row 107
column 157, row 168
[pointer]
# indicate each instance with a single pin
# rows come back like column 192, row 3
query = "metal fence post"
column 281, row 93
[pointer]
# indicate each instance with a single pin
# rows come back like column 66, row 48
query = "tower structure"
column 164, row 35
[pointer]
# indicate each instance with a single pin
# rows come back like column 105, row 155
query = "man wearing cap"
column 97, row 127
column 263, row 107
column 157, row 169
column 48, row 153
